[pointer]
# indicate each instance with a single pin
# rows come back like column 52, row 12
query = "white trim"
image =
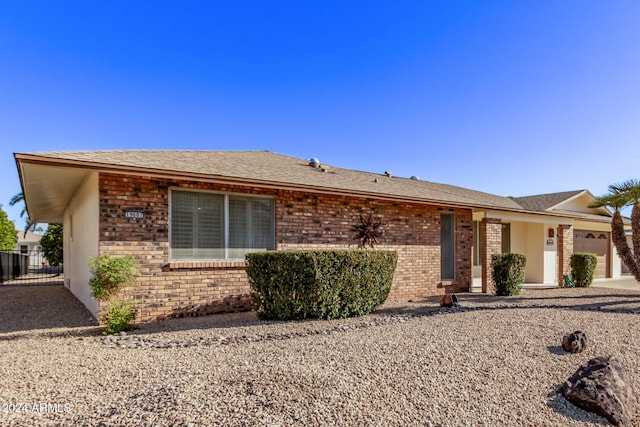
column 568, row 199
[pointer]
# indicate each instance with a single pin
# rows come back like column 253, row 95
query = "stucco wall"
column 519, row 238
column 303, row 220
column 80, row 240
column 534, row 272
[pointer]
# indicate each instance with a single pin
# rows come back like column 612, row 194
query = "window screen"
column 250, row 225
column 217, row 226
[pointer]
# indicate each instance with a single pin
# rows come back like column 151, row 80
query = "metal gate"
column 28, row 267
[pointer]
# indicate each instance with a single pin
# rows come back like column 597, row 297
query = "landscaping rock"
column 449, row 300
column 602, row 386
column 575, row 342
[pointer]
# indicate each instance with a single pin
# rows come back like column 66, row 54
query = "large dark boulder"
column 602, row 386
column 575, row 342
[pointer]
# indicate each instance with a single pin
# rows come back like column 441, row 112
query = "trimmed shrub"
column 118, row 317
column 583, row 268
column 288, row 285
column 508, row 273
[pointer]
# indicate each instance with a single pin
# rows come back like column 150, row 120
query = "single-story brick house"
column 189, row 217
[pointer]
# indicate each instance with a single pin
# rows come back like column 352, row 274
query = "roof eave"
column 163, row 173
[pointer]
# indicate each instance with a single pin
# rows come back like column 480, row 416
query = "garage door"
column 596, row 242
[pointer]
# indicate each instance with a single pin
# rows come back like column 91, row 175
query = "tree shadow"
column 24, row 309
column 237, row 315
column 28, row 308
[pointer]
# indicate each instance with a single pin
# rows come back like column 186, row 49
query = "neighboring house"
column 29, row 244
column 189, row 217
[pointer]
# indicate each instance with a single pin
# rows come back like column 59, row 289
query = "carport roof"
column 542, row 202
column 49, row 179
column 569, row 203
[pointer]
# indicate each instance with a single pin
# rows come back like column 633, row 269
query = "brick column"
column 491, row 244
column 565, row 250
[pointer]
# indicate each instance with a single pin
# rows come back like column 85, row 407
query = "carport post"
column 491, row 244
column 565, row 250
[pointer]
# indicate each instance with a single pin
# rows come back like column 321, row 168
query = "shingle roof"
column 542, row 202
column 30, row 237
column 264, row 167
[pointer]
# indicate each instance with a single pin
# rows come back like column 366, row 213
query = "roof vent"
column 417, row 178
column 313, row 162
column 388, row 173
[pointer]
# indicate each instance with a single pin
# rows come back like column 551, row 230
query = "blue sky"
column 508, row 97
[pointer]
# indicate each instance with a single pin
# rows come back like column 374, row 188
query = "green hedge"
column 330, row 284
column 583, row 268
column 508, row 273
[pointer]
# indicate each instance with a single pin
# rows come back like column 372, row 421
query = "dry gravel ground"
column 495, row 362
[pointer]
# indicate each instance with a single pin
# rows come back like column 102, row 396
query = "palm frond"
column 612, row 200
column 630, row 189
column 17, row 198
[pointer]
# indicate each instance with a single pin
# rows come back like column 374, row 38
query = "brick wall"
column 565, row 250
column 303, row 220
column 491, row 244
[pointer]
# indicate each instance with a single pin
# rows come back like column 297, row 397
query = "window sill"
column 205, row 265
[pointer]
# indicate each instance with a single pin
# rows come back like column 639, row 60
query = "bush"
column 8, row 236
column 288, row 285
column 583, row 268
column 110, row 273
column 508, row 273
column 118, row 317
column 51, row 244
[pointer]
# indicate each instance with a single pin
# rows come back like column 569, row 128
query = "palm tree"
column 623, row 195
column 29, row 226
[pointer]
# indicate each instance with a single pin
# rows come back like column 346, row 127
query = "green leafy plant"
column 583, row 268
column 51, row 244
column 8, row 234
column 118, row 317
column 508, row 273
column 367, row 232
column 110, row 274
column 288, row 285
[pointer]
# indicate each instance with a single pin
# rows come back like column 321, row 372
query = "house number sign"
column 134, row 214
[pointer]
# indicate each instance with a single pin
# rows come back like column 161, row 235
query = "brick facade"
column 565, row 250
column 491, row 244
column 303, row 220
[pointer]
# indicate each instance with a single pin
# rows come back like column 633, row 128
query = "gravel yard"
column 495, row 361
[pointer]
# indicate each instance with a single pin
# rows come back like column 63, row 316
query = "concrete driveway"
column 626, row 282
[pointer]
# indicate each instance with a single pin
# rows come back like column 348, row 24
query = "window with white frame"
column 477, row 243
column 214, row 226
